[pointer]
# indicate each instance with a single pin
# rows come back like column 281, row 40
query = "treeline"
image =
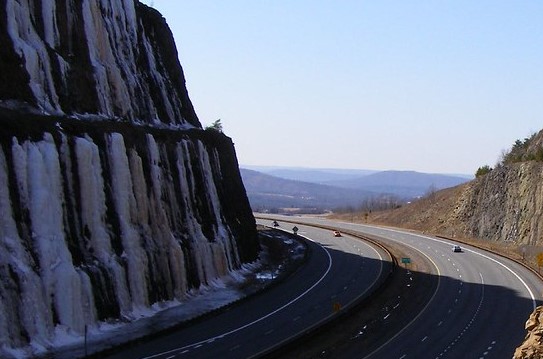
column 523, row 151
column 370, row 204
column 529, row 149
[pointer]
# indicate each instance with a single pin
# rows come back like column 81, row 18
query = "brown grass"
column 434, row 215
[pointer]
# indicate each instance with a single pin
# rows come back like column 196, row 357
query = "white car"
column 456, row 248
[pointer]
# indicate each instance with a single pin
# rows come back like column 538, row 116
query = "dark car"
column 456, row 248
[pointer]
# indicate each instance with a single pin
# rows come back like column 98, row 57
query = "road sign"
column 406, row 260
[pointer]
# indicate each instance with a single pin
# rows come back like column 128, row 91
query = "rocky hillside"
column 110, row 59
column 112, row 196
column 504, row 205
column 532, row 347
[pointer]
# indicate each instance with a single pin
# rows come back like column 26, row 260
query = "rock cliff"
column 505, row 205
column 532, row 347
column 112, row 196
column 115, row 59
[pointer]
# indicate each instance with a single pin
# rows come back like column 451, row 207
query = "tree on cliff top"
column 530, row 149
column 215, row 126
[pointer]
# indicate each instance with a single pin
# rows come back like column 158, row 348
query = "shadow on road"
column 470, row 317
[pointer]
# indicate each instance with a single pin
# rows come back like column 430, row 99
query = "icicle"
column 92, row 197
column 28, row 44
column 125, row 203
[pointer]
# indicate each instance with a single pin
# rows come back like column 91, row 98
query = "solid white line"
column 534, row 303
column 198, row 344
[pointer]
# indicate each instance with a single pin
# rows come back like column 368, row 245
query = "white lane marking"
column 423, row 339
column 472, row 318
column 423, row 309
column 534, row 304
column 198, row 344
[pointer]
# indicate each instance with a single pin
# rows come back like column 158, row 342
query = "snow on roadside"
column 159, row 317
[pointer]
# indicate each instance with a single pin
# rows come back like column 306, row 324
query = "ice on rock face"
column 30, row 46
column 125, row 202
column 92, row 197
column 101, row 49
column 25, row 308
column 105, row 231
column 103, row 222
column 61, row 282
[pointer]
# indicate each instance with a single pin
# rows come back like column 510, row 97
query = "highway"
column 478, row 309
column 340, row 271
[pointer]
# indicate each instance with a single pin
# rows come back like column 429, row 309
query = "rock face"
column 532, row 347
column 115, row 58
column 504, row 205
column 112, row 196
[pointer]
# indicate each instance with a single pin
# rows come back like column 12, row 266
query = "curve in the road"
column 247, row 325
column 478, row 310
column 275, row 316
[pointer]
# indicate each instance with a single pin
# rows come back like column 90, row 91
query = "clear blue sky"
column 431, row 86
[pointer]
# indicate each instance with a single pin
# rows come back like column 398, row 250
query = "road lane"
column 478, row 310
column 338, row 272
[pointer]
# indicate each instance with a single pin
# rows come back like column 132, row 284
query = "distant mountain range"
column 318, row 190
column 312, row 175
column 406, row 184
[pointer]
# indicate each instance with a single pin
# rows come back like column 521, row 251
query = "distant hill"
column 270, row 193
column 312, row 175
column 406, row 184
column 503, row 205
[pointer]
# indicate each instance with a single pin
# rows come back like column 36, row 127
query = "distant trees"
column 431, row 193
column 372, row 203
column 481, row 171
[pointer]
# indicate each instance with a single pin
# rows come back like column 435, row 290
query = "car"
column 337, row 234
column 456, row 248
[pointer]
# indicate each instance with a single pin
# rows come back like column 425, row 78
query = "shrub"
column 481, row 171
column 215, row 126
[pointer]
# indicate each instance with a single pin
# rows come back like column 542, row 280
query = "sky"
column 430, row 86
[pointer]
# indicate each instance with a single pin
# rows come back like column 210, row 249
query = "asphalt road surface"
column 478, row 309
column 340, row 271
